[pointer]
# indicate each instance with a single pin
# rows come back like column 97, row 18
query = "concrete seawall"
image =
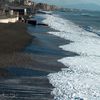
column 9, row 20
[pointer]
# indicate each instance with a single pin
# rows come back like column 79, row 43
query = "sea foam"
column 81, row 79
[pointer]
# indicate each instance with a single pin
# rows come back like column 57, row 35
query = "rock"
column 42, row 24
column 32, row 22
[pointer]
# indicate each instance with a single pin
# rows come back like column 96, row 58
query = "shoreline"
column 40, row 57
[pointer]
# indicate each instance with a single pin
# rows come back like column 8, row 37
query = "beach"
column 16, row 43
column 26, row 60
column 13, row 38
column 54, row 55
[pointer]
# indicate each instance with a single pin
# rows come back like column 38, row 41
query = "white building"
column 28, row 2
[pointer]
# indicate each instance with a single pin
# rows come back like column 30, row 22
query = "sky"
column 64, row 3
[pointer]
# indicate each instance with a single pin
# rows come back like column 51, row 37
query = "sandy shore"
column 13, row 38
column 37, row 59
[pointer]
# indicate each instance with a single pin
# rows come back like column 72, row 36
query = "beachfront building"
column 6, row 1
column 22, row 2
column 44, row 6
column 28, row 2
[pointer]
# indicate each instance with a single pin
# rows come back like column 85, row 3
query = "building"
column 28, row 2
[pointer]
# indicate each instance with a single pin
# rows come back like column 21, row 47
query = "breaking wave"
column 81, row 79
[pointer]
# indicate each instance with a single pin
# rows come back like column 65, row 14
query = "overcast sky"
column 66, row 2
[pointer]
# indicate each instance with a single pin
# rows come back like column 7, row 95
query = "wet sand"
column 13, row 37
column 40, row 57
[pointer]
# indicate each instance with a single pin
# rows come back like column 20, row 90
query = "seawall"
column 9, row 20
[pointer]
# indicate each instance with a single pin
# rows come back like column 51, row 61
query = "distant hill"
column 89, row 6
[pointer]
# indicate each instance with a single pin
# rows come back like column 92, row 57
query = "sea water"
column 80, row 80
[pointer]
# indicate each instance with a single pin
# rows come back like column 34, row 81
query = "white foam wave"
column 85, row 47
column 83, row 63
column 80, row 81
column 60, row 24
column 71, row 84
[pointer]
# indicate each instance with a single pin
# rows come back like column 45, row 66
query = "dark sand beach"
column 25, row 65
column 13, row 37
